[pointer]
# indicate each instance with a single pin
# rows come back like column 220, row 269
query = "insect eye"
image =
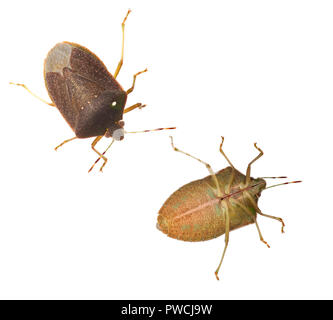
column 114, row 103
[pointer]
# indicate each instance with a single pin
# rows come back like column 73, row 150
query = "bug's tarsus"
column 62, row 143
column 260, row 235
column 26, row 88
column 120, row 63
column 134, row 79
column 248, row 171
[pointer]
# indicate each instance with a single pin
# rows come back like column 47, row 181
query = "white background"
column 252, row 71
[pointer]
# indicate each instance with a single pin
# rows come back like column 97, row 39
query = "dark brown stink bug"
column 86, row 94
column 217, row 204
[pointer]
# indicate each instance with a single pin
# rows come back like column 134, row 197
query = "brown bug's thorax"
column 102, row 115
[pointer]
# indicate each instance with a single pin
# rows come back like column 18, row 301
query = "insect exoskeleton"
column 87, row 95
column 215, row 205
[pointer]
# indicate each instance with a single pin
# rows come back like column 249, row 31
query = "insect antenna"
column 282, row 177
column 158, row 129
column 280, row 184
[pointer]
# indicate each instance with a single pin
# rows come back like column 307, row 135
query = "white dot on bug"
column 114, row 103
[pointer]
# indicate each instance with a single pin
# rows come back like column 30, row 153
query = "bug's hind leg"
column 120, row 63
column 26, row 88
column 228, row 186
column 134, row 79
column 101, row 157
column 219, row 193
column 248, row 171
column 62, row 143
column 226, row 236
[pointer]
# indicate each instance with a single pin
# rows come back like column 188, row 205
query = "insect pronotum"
column 217, row 204
column 86, row 94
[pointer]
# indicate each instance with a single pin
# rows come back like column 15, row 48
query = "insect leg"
column 260, row 235
column 228, row 186
column 248, row 171
column 137, row 105
column 263, row 214
column 122, row 46
column 62, row 143
column 206, row 164
column 272, row 217
column 26, row 88
column 100, row 155
column 253, row 217
column 226, row 237
column 134, row 79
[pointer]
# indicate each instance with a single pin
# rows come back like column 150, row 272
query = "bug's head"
column 256, row 186
column 116, row 131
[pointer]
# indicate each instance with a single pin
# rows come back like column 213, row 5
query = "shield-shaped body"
column 194, row 212
column 86, row 94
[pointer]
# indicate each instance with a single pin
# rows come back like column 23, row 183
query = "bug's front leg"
column 100, row 154
column 134, row 79
column 134, row 106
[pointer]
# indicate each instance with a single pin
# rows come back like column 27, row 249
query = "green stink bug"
column 217, row 204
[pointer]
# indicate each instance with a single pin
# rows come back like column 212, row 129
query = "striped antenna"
column 158, row 129
column 282, row 177
column 280, row 184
